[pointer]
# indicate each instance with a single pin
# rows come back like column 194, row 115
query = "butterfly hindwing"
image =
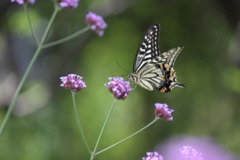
column 148, row 48
column 169, row 79
column 168, row 57
column 165, row 63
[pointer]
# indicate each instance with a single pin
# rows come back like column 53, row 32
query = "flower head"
column 163, row 112
column 190, row 153
column 209, row 148
column 153, row 156
column 73, row 82
column 22, row 1
column 118, row 87
column 68, row 3
column 96, row 23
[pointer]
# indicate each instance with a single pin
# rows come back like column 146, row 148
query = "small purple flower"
column 96, row 23
column 73, row 82
column 22, row 1
column 153, row 156
column 190, row 153
column 68, row 3
column 118, row 87
column 31, row 1
column 163, row 112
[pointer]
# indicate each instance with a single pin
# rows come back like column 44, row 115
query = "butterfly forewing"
column 148, row 48
column 148, row 77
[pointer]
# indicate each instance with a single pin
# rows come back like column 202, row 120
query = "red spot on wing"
column 163, row 89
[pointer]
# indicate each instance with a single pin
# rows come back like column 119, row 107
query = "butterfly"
column 152, row 69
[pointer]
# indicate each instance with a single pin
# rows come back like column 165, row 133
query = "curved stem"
column 30, row 23
column 78, row 122
column 104, row 125
column 66, row 38
column 92, row 156
column 156, row 118
column 27, row 72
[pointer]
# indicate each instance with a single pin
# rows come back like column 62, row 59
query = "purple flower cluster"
column 73, row 82
column 163, row 112
column 190, row 153
column 96, row 23
column 118, row 87
column 153, row 156
column 22, row 1
column 68, row 3
column 187, row 152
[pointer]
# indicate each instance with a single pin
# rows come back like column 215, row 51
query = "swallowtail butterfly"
column 152, row 69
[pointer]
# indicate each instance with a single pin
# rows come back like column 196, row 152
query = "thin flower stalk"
column 27, row 71
column 67, row 38
column 103, row 128
column 79, row 122
column 156, row 118
column 30, row 24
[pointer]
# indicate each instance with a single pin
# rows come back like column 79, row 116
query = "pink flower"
column 73, row 82
column 190, row 153
column 209, row 148
column 96, row 23
column 22, row 1
column 31, row 1
column 68, row 3
column 153, row 156
column 163, row 112
column 118, row 87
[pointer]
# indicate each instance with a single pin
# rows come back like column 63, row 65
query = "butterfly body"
column 152, row 69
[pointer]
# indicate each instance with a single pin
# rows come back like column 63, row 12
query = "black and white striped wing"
column 150, row 77
column 152, row 69
column 168, row 57
column 165, row 62
column 148, row 48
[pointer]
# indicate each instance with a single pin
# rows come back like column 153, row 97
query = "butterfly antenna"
column 123, row 68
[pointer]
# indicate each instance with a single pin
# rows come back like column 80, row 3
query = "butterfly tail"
column 180, row 85
column 167, row 87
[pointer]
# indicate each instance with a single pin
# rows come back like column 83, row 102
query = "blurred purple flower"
column 190, row 153
column 22, row 1
column 96, row 23
column 153, row 156
column 31, row 1
column 118, row 87
column 209, row 149
column 73, row 82
column 163, row 112
column 68, row 3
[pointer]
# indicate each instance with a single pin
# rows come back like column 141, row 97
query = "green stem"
column 67, row 38
column 104, row 125
column 156, row 118
column 30, row 24
column 79, row 123
column 27, row 71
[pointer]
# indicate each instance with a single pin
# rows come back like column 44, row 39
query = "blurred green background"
column 43, row 125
